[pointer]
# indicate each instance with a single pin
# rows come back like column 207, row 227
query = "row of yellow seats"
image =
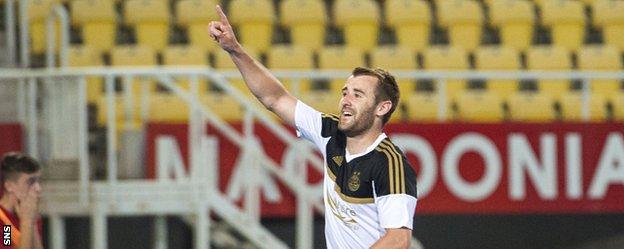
column 359, row 19
column 472, row 106
column 393, row 58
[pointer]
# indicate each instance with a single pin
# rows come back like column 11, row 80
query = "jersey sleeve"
column 395, row 191
column 309, row 124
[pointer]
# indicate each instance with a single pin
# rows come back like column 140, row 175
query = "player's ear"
column 383, row 107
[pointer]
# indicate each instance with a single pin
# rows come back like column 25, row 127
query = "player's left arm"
column 394, row 238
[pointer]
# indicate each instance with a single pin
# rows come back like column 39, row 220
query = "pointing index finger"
column 224, row 19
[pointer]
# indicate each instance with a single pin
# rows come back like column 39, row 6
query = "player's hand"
column 221, row 31
column 28, row 207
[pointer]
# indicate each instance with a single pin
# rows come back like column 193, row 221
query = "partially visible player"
column 369, row 186
column 20, row 175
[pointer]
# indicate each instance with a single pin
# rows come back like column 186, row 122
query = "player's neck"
column 358, row 144
column 8, row 202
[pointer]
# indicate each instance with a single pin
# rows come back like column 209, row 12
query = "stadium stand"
column 411, row 20
column 572, row 107
column 194, row 15
column 498, row 58
column 550, row 58
column 85, row 56
column 607, row 14
column 287, row 57
column 394, row 58
column 423, row 107
column 447, row 58
column 306, row 21
column 254, row 21
column 150, row 19
column 514, row 20
column 480, row 106
column 566, row 19
column 601, row 58
column 38, row 13
column 526, row 106
column 186, row 56
column 463, row 20
column 97, row 21
column 359, row 20
column 340, row 58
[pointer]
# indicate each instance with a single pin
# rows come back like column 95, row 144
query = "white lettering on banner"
column 574, row 177
column 522, row 158
column 169, row 163
column 428, row 173
column 610, row 168
column 450, row 167
column 243, row 175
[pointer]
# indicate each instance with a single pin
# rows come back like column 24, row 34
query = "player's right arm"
column 259, row 80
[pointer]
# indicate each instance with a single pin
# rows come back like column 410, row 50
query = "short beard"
column 360, row 126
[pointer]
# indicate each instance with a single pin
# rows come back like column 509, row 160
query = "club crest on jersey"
column 354, row 181
column 338, row 160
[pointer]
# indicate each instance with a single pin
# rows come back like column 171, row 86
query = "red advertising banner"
column 10, row 137
column 501, row 168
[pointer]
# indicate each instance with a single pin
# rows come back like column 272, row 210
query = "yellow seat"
column 572, row 107
column 285, row 57
column 463, row 19
column 135, row 55
column 424, row 107
column 254, row 20
column 411, row 19
column 325, row 101
column 448, row 58
column 531, row 107
column 608, row 15
column 479, row 106
column 186, row 56
column 566, row 19
column 222, row 61
column 359, row 20
column 195, row 15
column 38, row 11
column 150, row 19
column 394, row 58
column 85, row 56
column 224, row 106
column 97, row 21
column 514, row 19
column 168, row 108
column 340, row 58
column 550, row 58
column 601, row 58
column 498, row 58
column 306, row 20
column 617, row 102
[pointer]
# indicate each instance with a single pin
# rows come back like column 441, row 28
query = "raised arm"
column 259, row 80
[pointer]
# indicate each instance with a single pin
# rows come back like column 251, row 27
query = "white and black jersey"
column 364, row 194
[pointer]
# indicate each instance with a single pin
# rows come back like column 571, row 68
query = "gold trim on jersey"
column 395, row 167
column 344, row 197
column 332, row 116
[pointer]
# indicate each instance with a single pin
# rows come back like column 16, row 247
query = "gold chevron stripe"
column 391, row 166
column 400, row 171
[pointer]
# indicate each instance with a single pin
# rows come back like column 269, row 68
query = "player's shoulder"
column 329, row 124
column 388, row 151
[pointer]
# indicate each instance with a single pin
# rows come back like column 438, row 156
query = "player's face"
column 24, row 182
column 357, row 105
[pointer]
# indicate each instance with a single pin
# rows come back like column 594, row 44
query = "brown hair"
column 14, row 163
column 387, row 89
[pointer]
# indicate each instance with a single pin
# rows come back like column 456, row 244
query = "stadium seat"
column 479, row 106
column 498, row 58
column 514, row 19
column 411, row 19
column 222, row 61
column 359, row 20
column 525, row 106
column 125, row 116
column 254, row 21
column 325, row 101
column 150, row 19
column 550, row 58
column 424, row 107
column 134, row 55
column 85, row 56
column 194, row 15
column 617, row 103
column 340, row 58
column 285, row 57
column 601, row 58
column 566, row 19
column 463, row 20
column 185, row 56
column 572, row 107
column 448, row 58
column 167, row 108
column 306, row 20
column 38, row 11
column 394, row 58
column 224, row 106
column 97, row 21
column 608, row 15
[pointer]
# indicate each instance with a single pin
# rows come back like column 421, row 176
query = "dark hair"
column 387, row 89
column 14, row 163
